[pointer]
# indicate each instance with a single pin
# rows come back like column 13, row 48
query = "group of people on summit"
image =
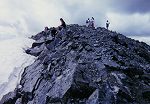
column 89, row 23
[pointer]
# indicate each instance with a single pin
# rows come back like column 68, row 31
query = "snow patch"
column 13, row 60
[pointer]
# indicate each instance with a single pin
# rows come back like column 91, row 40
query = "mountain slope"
column 83, row 65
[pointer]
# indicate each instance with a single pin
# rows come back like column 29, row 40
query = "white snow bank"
column 12, row 62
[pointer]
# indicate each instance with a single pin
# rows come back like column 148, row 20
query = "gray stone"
column 82, row 65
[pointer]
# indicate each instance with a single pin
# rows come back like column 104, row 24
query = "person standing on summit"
column 88, row 22
column 92, row 22
column 63, row 24
column 107, row 24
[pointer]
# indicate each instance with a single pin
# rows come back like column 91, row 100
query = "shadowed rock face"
column 82, row 65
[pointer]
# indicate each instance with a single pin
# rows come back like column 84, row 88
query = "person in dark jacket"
column 53, row 32
column 46, row 31
column 63, row 24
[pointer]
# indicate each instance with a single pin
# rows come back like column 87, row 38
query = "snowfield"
column 13, row 60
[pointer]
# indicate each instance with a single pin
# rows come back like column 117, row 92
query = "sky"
column 28, row 17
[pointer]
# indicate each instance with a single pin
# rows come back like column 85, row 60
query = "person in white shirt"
column 107, row 24
column 87, row 22
column 92, row 22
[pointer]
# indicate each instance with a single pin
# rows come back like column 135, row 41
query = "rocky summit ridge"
column 82, row 65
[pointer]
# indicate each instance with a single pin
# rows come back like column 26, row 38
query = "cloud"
column 131, row 6
column 26, row 17
column 141, row 39
column 135, row 24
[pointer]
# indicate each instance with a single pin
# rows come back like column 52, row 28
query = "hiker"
column 46, row 30
column 107, row 24
column 92, row 22
column 18, row 90
column 53, row 32
column 87, row 22
column 63, row 24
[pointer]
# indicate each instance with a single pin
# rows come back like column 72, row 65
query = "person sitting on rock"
column 63, row 24
column 107, row 24
column 53, row 32
column 46, row 30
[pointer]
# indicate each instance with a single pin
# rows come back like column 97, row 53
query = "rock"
column 36, row 50
column 10, row 97
column 82, row 65
column 94, row 98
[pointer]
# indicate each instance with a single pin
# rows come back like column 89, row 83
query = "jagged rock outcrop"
column 83, row 65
